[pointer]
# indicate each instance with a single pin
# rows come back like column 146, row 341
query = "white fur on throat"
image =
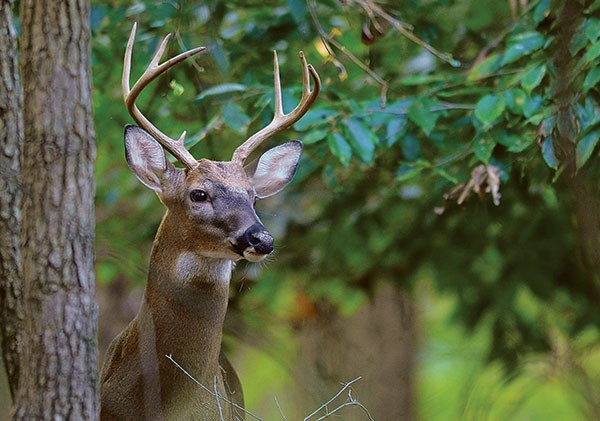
column 190, row 266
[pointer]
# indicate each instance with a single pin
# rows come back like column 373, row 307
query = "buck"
column 209, row 224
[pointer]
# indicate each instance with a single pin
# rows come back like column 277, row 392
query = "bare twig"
column 280, row 410
column 346, row 386
column 219, row 397
column 328, row 40
column 215, row 394
column 218, row 400
column 372, row 9
column 350, row 402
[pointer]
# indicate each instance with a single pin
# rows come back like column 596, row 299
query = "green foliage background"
column 404, row 118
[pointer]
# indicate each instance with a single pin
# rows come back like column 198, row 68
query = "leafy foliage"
column 398, row 125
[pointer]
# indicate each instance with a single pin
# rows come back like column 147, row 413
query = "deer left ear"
column 274, row 169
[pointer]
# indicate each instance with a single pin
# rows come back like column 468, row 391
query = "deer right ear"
column 146, row 157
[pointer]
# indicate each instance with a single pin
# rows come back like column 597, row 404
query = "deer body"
column 210, row 223
column 182, row 315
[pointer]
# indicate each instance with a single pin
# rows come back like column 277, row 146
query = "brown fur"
column 185, row 299
column 182, row 312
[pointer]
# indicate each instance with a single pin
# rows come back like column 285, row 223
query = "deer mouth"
column 252, row 253
column 254, row 244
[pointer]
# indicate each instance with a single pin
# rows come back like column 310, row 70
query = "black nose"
column 256, row 237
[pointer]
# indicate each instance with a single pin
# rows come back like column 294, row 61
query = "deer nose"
column 258, row 238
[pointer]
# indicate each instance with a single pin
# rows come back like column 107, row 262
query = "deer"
column 210, row 223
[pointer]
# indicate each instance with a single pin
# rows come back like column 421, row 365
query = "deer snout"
column 255, row 243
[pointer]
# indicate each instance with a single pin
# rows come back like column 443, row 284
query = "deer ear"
column 146, row 157
column 274, row 169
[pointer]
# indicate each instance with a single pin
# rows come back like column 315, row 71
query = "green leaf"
column 594, row 6
column 411, row 147
column 422, row 79
column 585, row 148
column 548, row 153
column 548, row 126
column 515, row 98
column 532, row 78
column 395, row 129
column 420, row 112
column 532, row 106
column 483, row 146
column 361, row 139
column 486, row 67
column 297, row 9
column 339, row 147
column 225, row 88
column 591, row 28
column 588, row 114
column 445, row 174
column 313, row 118
column 218, row 53
column 591, row 79
column 513, row 143
column 541, row 10
column 578, row 42
column 590, row 56
column 489, row 109
column 235, row 118
column 522, row 45
column 410, row 170
column 314, row 136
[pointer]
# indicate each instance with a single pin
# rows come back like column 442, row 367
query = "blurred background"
column 441, row 237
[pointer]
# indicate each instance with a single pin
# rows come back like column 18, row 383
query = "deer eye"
column 198, row 195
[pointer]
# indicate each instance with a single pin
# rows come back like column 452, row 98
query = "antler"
column 280, row 120
column 154, row 70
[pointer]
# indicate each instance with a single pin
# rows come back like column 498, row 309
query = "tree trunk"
column 582, row 184
column 58, row 370
column 378, row 344
column 11, row 140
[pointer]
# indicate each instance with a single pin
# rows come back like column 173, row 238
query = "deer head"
column 212, row 201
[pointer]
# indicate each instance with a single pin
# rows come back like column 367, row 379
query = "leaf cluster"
column 398, row 124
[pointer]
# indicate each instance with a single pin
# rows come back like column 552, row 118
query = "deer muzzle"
column 255, row 243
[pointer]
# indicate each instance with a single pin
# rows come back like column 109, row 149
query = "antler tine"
column 175, row 147
column 281, row 120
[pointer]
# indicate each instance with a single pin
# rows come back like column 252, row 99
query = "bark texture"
column 58, row 370
column 11, row 139
column 377, row 343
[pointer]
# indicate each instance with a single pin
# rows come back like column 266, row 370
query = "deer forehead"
column 229, row 175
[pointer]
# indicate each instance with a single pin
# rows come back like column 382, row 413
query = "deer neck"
column 185, row 302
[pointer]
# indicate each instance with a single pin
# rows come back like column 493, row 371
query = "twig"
column 280, row 410
column 218, row 400
column 183, row 47
column 328, row 39
column 370, row 8
column 346, row 386
column 351, row 402
column 215, row 394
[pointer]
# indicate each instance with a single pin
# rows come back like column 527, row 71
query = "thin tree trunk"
column 378, row 343
column 582, row 183
column 58, row 370
column 11, row 140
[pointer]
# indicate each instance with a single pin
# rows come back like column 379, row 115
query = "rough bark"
column 58, row 371
column 11, row 139
column 377, row 343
